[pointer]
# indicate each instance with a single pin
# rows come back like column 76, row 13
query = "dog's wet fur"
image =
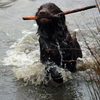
column 57, row 46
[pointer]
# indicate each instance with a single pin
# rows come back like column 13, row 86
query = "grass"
column 93, row 83
column 93, row 80
column 94, row 74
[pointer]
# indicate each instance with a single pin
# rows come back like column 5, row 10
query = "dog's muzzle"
column 44, row 15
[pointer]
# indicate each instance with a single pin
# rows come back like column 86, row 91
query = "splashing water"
column 25, row 55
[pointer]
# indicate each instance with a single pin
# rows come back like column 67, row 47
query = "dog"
column 57, row 46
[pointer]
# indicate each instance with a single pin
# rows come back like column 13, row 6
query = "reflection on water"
column 6, row 3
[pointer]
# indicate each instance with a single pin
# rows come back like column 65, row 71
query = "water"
column 20, row 51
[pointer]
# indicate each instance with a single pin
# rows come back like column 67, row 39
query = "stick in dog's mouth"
column 29, row 18
column 62, row 13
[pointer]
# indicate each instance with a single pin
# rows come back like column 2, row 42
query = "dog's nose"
column 43, row 12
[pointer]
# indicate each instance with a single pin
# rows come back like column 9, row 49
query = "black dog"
column 56, row 44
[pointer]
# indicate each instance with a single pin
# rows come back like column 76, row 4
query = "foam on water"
column 25, row 56
column 25, row 52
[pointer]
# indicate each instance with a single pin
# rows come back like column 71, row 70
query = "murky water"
column 19, row 51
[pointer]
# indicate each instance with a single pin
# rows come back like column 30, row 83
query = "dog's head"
column 45, row 13
column 48, row 26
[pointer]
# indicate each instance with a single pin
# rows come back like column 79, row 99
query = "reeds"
column 98, row 4
column 93, row 83
column 94, row 74
column 93, row 80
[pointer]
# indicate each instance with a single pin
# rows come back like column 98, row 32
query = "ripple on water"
column 6, row 3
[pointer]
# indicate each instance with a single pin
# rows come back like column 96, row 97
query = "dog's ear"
column 37, row 21
column 36, row 14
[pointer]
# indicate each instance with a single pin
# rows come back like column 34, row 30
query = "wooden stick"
column 63, row 13
column 80, row 9
column 29, row 18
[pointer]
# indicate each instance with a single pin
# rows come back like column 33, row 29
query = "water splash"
column 60, row 52
column 25, row 55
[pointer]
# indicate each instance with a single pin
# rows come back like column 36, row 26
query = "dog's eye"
column 50, row 6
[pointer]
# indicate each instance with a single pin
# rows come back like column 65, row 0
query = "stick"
column 63, row 13
column 80, row 9
column 29, row 18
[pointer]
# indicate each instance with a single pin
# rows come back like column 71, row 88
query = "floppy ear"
column 37, row 20
column 36, row 14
